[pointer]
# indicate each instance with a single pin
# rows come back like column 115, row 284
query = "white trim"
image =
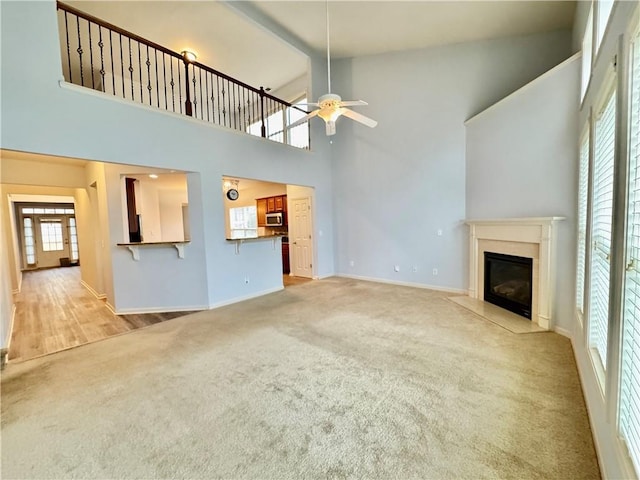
column 245, row 297
column 99, row 296
column 133, row 311
column 404, row 284
column 110, row 307
column 13, row 318
column 563, row 331
column 518, row 236
column 525, row 87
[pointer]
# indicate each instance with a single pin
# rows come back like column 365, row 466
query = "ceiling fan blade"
column 353, row 103
column 358, row 117
column 312, row 104
column 303, row 119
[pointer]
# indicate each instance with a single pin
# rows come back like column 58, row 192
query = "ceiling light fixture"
column 153, row 175
column 188, row 56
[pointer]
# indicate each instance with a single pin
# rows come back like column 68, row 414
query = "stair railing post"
column 187, row 103
column 263, row 128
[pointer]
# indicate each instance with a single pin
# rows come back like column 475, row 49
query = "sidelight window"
column 29, row 241
column 601, row 227
column 629, row 419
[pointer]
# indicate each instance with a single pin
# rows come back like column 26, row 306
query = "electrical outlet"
column 352, row 263
column 246, row 279
column 396, row 268
column 415, row 269
column 435, row 271
column 439, row 232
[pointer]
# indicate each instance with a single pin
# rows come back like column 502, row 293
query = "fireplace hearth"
column 508, row 282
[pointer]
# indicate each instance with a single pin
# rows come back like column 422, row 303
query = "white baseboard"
column 99, row 296
column 10, row 332
column 134, row 311
column 110, row 307
column 405, row 284
column 245, row 297
column 562, row 331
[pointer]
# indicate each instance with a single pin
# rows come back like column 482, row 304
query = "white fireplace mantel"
column 533, row 237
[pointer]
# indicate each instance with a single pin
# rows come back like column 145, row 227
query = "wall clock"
column 232, row 194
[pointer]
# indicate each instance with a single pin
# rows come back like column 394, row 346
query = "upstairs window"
column 587, row 53
column 604, row 12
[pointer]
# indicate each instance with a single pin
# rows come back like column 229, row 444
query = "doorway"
column 48, row 235
column 300, row 228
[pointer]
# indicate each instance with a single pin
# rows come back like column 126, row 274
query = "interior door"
column 53, row 241
column 301, row 249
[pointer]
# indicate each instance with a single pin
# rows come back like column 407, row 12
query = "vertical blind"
column 601, row 227
column 630, row 361
column 582, row 221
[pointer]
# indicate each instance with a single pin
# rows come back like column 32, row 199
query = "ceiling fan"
column 331, row 106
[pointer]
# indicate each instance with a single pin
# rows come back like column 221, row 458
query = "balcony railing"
column 107, row 58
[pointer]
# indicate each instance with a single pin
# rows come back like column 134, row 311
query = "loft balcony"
column 104, row 57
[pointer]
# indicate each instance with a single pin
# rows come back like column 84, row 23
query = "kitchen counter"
column 259, row 237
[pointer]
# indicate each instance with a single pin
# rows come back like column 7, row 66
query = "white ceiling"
column 233, row 44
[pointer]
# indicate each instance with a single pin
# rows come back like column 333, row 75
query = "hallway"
column 55, row 312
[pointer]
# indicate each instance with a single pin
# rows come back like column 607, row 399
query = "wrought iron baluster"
column 66, row 29
column 218, row 89
column 122, row 67
column 79, row 50
column 93, row 82
column 155, row 62
column 113, row 71
column 234, row 89
column 101, row 45
column 195, row 93
column 149, row 87
column 173, row 92
column 206, row 79
column 224, row 105
column 201, row 100
column 179, row 88
column 164, row 80
column 133, row 97
column 140, row 73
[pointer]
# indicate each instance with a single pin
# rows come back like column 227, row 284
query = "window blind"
column 582, row 221
column 630, row 361
column 601, row 228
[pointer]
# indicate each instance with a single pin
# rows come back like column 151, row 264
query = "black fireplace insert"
column 508, row 282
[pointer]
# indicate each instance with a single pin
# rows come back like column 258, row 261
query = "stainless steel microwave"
column 275, row 219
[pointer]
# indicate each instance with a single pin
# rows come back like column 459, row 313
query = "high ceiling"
column 233, row 44
column 361, row 27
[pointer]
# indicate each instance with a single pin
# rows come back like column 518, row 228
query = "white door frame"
column 293, row 250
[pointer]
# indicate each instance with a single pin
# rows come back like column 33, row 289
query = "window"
column 604, row 130
column 29, row 241
column 51, row 233
column 587, row 53
column 298, row 136
column 629, row 419
column 275, row 126
column 73, row 238
column 583, row 187
column 604, row 12
column 243, row 222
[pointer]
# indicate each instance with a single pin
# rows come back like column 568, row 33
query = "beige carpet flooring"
column 335, row 378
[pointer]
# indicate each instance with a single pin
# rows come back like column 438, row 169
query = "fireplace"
column 508, row 281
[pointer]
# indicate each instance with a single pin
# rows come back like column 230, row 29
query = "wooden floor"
column 289, row 281
column 55, row 312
